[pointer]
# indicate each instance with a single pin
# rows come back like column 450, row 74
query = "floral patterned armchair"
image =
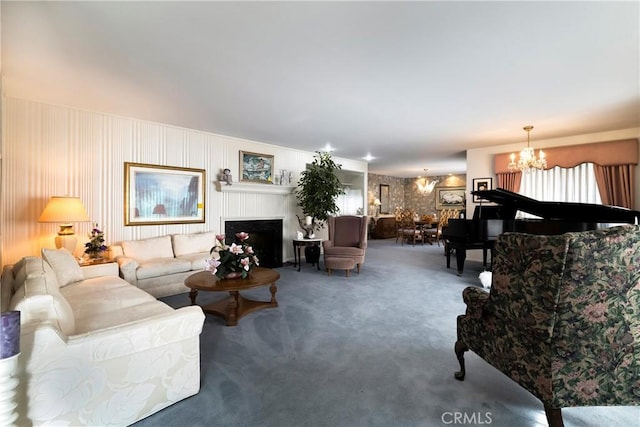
column 562, row 318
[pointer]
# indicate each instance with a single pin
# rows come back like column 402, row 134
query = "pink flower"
column 220, row 238
column 236, row 249
column 248, row 250
column 211, row 265
column 242, row 236
column 245, row 263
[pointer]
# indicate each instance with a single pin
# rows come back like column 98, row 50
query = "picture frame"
column 481, row 184
column 450, row 197
column 156, row 194
column 256, row 167
column 384, row 198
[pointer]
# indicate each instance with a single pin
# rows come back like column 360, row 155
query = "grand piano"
column 489, row 221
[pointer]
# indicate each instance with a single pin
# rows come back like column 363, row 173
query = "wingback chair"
column 562, row 318
column 347, row 238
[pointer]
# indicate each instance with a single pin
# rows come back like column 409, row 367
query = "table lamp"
column 65, row 210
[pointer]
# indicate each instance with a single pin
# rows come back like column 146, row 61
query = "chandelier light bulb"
column 527, row 160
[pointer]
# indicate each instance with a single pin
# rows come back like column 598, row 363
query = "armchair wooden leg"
column 554, row 416
column 460, row 348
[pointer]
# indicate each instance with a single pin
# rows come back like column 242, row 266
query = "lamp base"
column 67, row 241
column 9, row 381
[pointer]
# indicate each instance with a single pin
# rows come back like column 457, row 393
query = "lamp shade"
column 64, row 209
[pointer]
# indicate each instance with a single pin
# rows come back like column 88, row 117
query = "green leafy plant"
column 318, row 188
column 95, row 246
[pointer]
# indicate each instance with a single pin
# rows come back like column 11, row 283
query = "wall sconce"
column 65, row 210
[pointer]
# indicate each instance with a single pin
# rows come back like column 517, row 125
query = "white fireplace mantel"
column 242, row 187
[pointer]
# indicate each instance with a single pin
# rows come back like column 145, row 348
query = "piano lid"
column 559, row 211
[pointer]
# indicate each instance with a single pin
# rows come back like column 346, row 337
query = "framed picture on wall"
column 156, row 194
column 384, row 199
column 481, row 184
column 255, row 167
column 450, row 197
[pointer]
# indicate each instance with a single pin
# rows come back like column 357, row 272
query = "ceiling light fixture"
column 528, row 159
column 328, row 148
column 424, row 186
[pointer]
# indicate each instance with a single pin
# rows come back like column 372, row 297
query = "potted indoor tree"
column 318, row 189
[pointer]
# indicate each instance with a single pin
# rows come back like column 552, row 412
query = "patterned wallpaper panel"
column 404, row 192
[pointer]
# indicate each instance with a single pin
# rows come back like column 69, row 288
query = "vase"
column 95, row 256
column 233, row 275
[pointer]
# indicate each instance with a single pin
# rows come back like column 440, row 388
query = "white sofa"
column 96, row 350
column 159, row 265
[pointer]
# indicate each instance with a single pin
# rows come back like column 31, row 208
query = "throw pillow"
column 148, row 249
column 64, row 265
column 185, row 244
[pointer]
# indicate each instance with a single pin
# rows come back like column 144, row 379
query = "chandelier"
column 424, row 186
column 527, row 160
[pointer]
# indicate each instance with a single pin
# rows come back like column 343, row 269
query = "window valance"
column 610, row 153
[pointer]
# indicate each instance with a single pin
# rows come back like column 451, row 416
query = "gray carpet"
column 373, row 349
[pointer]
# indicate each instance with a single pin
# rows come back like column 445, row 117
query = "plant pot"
column 233, row 275
column 312, row 254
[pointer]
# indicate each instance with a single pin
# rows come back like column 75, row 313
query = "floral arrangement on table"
column 235, row 260
column 95, row 246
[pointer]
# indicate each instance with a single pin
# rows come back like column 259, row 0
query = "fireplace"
column 265, row 236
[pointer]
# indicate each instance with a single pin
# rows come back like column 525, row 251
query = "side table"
column 300, row 243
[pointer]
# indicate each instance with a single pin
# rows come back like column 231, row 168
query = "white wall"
column 56, row 150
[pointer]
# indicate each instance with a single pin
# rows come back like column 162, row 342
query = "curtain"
column 616, row 185
column 510, row 181
column 577, row 185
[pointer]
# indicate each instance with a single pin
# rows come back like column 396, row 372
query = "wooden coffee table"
column 235, row 306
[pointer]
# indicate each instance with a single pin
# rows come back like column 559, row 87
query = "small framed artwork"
column 450, row 197
column 255, row 167
column 481, row 184
column 155, row 194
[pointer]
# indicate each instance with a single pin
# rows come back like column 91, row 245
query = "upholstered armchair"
column 562, row 318
column 347, row 238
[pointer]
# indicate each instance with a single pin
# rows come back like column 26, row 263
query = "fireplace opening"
column 265, row 237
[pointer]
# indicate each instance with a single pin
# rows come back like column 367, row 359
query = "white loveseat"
column 159, row 265
column 96, row 350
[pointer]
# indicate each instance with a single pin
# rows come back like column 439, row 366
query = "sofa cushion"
column 196, row 260
column 162, row 267
column 185, row 244
column 64, row 265
column 147, row 249
column 120, row 316
column 29, row 266
column 39, row 300
column 104, row 294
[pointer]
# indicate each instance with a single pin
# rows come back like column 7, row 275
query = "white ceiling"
column 412, row 83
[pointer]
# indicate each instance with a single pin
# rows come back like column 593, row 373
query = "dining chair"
column 410, row 231
column 445, row 216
